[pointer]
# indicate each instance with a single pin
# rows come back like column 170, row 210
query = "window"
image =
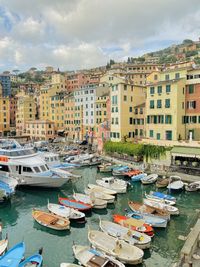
column 159, row 103
column 43, row 168
column 177, row 75
column 168, row 119
column 27, row 169
column 167, row 103
column 151, row 90
column 158, row 136
column 125, row 98
column 141, row 132
column 167, row 77
column 4, row 168
column 191, row 89
column 148, row 119
column 151, row 133
column 155, row 77
column 116, row 121
column 125, row 87
column 168, row 135
column 130, row 120
column 130, row 109
column 159, row 90
column 136, row 131
column 191, row 104
column 151, row 104
column 168, row 88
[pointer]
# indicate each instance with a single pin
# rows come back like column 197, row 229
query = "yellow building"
column 70, row 131
column 4, row 115
column 165, row 104
column 57, row 111
column 124, row 97
column 40, row 130
column 26, row 111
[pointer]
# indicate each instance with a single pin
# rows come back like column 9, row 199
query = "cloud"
column 74, row 34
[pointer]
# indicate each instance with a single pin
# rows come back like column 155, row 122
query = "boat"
column 175, row 184
column 161, row 200
column 7, row 184
column 79, row 158
column 50, row 220
column 26, row 166
column 114, row 247
column 3, row 245
column 192, row 187
column 132, row 237
column 90, row 257
column 106, row 167
column 34, row 260
column 72, row 203
column 162, row 182
column 149, row 179
column 133, row 224
column 117, row 185
column 121, row 170
column 69, row 265
column 162, row 196
column 100, row 195
column 153, row 220
column 140, row 207
column 102, row 189
column 138, row 177
column 96, row 203
column 90, row 162
column 13, row 256
column 67, row 213
column 132, row 172
column 161, row 206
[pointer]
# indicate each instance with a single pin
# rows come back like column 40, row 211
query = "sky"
column 79, row 34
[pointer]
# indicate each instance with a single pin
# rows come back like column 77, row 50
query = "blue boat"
column 138, row 177
column 35, row 259
column 13, row 257
column 162, row 196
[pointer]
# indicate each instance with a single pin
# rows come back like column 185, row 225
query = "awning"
column 181, row 151
column 61, row 131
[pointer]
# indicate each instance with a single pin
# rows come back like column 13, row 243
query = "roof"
column 192, row 152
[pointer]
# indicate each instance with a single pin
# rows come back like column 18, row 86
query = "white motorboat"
column 26, row 166
column 96, row 203
column 100, row 195
column 69, row 265
column 192, row 187
column 149, row 179
column 79, row 158
column 121, row 250
column 160, row 200
column 91, row 257
column 175, row 184
column 102, row 189
column 66, row 212
column 7, row 185
column 161, row 206
column 132, row 237
column 112, row 183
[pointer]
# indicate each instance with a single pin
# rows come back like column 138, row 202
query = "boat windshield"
column 15, row 153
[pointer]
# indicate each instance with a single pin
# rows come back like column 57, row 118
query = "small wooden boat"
column 72, row 203
column 192, row 187
column 162, row 182
column 13, row 256
column 133, row 224
column 119, row 249
column 96, row 203
column 138, row 177
column 117, row 185
column 34, row 260
column 162, row 196
column 149, row 179
column 90, row 257
column 3, row 245
column 135, row 206
column 51, row 220
column 106, row 167
column 161, row 200
column 102, row 189
column 131, row 173
column 132, row 237
column 175, row 184
column 69, row 265
column 67, row 213
column 120, row 171
column 161, row 206
column 153, row 220
column 100, row 195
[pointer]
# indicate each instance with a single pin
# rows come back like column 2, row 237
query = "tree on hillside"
column 187, row 41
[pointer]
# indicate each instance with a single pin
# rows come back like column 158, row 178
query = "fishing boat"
column 69, row 265
column 76, row 159
column 153, row 220
column 138, row 177
column 106, row 167
column 119, row 249
column 140, row 207
column 96, row 203
column 192, row 187
column 132, row 237
column 66, row 212
column 131, row 172
column 117, row 185
column 13, row 256
column 162, row 196
column 120, row 170
column 162, row 182
column 90, row 257
column 161, row 206
column 149, row 179
column 161, row 200
column 50, row 220
column 102, row 189
column 175, row 184
column 34, row 260
column 90, row 162
column 100, row 195
column 72, row 203
column 133, row 224
column 3, row 245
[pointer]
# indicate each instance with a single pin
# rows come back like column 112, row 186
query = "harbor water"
column 57, row 246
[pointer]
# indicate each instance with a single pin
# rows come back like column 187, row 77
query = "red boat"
column 136, row 225
column 72, row 203
column 132, row 173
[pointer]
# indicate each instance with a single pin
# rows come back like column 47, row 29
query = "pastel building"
column 40, row 130
column 6, row 84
